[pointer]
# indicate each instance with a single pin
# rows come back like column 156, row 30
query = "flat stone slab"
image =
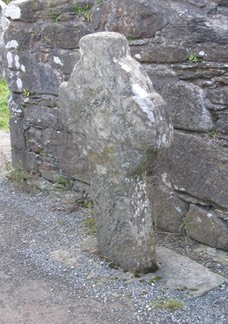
column 178, row 271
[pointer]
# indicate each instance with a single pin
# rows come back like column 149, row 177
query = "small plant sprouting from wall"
column 63, row 183
column 213, row 134
column 27, row 93
column 192, row 57
column 183, row 228
column 83, row 11
column 55, row 16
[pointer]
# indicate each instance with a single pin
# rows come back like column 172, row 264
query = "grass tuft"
column 4, row 109
column 90, row 226
column 23, row 180
column 170, row 304
column 83, row 10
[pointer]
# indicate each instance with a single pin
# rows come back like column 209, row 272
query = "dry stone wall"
column 183, row 46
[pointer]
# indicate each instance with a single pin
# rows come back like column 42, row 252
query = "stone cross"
column 119, row 122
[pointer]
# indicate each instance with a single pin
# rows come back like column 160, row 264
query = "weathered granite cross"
column 118, row 120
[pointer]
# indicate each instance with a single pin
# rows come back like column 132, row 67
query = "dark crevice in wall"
column 192, row 132
column 201, row 203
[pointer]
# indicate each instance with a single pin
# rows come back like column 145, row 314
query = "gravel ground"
column 50, row 271
column 50, row 274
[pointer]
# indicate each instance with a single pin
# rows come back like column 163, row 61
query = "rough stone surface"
column 168, row 210
column 200, row 171
column 183, row 179
column 114, row 112
column 179, row 271
column 137, row 19
column 213, row 222
column 187, row 106
column 42, row 43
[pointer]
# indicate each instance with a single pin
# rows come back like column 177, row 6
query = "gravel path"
column 50, row 271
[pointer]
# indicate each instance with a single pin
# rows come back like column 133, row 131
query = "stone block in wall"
column 212, row 52
column 30, row 11
column 198, row 3
column 43, row 117
column 168, row 211
column 203, row 70
column 222, row 80
column 25, row 159
column 63, row 60
column 69, row 154
column 221, row 124
column 22, row 36
column 186, row 106
column 207, row 227
column 161, row 75
column 223, row 3
column 24, row 10
column 49, row 172
column 15, row 103
column 160, row 53
column 17, row 134
column 218, row 96
column 65, row 36
column 196, row 166
column 39, row 77
column 194, row 24
column 175, row 20
column 132, row 18
column 34, row 139
column 206, row 29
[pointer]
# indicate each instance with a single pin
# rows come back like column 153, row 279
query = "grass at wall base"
column 4, row 110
